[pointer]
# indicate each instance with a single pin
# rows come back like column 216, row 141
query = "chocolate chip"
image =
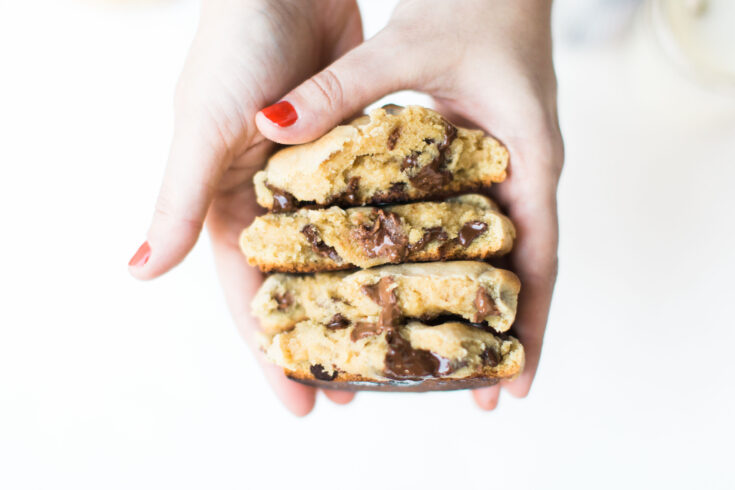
column 402, row 361
column 365, row 329
column 450, row 134
column 470, row 231
column 484, row 305
column 385, row 296
column 284, row 300
column 317, row 245
column 349, row 196
column 435, row 174
column 430, row 234
column 393, row 137
column 338, row 322
column 429, row 141
column 320, row 373
column 490, row 357
column 282, row 201
column 410, row 161
column 385, row 238
column 396, row 192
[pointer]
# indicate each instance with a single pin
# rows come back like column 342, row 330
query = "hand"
column 486, row 64
column 245, row 55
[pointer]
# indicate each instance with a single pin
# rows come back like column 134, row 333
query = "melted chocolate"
column 396, row 192
column 349, row 196
column 490, row 357
column 430, row 234
column 393, row 137
column 365, row 329
column 282, row 201
column 338, row 322
column 401, row 361
column 320, row 373
column 435, row 174
column 385, row 238
column 410, row 161
column 317, row 245
column 470, row 231
column 484, row 305
column 284, row 300
column 404, row 362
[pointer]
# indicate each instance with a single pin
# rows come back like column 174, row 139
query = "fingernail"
column 141, row 256
column 281, row 113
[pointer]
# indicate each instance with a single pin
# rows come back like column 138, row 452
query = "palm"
column 240, row 92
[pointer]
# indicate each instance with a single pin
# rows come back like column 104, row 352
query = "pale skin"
column 486, row 63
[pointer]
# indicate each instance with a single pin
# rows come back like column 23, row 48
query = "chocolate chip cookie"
column 395, row 356
column 312, row 240
column 395, row 154
column 472, row 291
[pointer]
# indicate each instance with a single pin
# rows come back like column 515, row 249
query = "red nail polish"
column 141, row 256
column 281, row 113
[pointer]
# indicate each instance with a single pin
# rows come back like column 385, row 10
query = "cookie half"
column 474, row 291
column 410, row 357
column 394, row 154
column 314, row 240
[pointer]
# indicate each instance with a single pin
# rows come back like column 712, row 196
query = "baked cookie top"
column 394, row 154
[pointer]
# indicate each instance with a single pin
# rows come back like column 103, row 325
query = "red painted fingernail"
column 141, row 256
column 281, row 113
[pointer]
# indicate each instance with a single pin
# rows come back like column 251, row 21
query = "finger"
column 358, row 78
column 535, row 261
column 339, row 397
column 299, row 399
column 194, row 167
column 487, row 398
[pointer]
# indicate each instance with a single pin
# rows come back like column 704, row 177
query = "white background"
column 109, row 383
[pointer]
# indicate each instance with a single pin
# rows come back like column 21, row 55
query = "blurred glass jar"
column 699, row 36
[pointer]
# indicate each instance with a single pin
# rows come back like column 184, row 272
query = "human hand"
column 486, row 64
column 245, row 55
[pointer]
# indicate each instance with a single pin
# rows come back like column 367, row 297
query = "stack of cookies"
column 424, row 312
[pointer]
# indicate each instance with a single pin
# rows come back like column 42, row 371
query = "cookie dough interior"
column 475, row 291
column 465, row 227
column 449, row 350
column 395, row 154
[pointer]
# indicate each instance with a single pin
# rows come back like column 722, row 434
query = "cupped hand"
column 246, row 54
column 486, row 64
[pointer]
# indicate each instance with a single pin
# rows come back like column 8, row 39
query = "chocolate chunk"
column 450, row 134
column 320, row 373
column 365, row 329
column 429, row 141
column 430, row 234
column 410, row 161
column 385, row 238
column 317, row 245
column 393, row 137
column 385, row 296
column 470, row 231
column 431, row 177
column 434, row 174
column 349, row 196
column 284, row 300
column 484, row 305
column 401, row 361
column 404, row 362
column 282, row 201
column 338, row 322
column 396, row 192
column 490, row 357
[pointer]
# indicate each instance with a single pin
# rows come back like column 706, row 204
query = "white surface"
column 110, row 383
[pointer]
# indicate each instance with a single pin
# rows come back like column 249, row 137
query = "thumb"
column 193, row 170
column 360, row 77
